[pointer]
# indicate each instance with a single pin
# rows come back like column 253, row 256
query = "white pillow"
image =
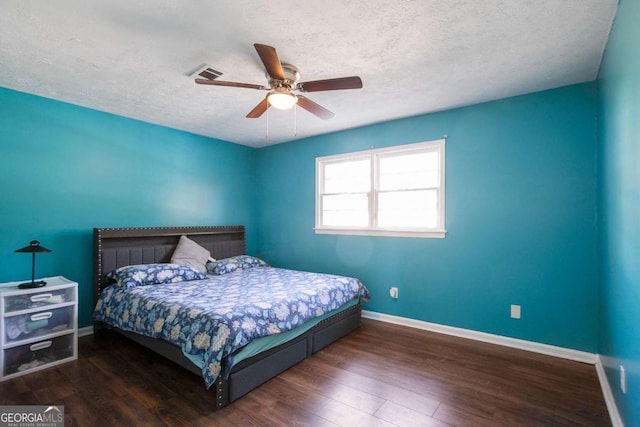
column 192, row 254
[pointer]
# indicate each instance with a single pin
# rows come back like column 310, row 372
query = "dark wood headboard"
column 116, row 247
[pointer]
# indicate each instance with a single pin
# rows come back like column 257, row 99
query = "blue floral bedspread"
column 212, row 318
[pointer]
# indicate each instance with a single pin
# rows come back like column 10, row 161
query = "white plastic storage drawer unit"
column 39, row 326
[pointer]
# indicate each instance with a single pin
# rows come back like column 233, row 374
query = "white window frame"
column 373, row 155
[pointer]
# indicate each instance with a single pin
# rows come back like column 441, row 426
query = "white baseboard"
column 550, row 350
column 83, row 332
column 616, row 420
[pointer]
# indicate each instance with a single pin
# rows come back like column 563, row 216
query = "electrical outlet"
column 515, row 311
column 623, row 379
column 393, row 292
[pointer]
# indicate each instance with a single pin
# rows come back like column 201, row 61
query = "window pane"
column 347, row 177
column 390, row 191
column 409, row 171
column 405, row 209
column 345, row 210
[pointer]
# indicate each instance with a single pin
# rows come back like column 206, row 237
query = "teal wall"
column 520, row 214
column 66, row 169
column 619, row 183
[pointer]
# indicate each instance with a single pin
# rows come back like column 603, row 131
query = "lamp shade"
column 282, row 100
column 34, row 247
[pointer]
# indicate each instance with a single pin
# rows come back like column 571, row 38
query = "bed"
column 244, row 366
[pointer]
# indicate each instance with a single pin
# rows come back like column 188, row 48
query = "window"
column 395, row 191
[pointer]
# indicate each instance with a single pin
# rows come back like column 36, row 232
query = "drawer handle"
column 41, row 316
column 40, row 345
column 41, row 297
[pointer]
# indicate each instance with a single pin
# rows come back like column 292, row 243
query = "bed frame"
column 117, row 247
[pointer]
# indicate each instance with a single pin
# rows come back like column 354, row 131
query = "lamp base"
column 29, row 285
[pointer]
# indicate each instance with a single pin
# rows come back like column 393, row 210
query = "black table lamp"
column 33, row 248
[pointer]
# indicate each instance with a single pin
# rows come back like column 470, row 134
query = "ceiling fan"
column 283, row 81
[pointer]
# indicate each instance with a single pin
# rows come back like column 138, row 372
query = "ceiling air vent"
column 206, row 71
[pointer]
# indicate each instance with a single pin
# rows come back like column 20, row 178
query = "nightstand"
column 39, row 326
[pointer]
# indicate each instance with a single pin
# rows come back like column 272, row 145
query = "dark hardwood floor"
column 382, row 374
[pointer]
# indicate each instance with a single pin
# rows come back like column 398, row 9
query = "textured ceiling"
column 133, row 58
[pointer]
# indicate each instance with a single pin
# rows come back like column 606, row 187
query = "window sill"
column 439, row 234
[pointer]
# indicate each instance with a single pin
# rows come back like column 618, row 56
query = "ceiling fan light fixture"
column 282, row 100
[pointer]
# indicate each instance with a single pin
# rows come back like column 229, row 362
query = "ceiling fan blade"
column 353, row 82
column 231, row 84
column 314, row 108
column 270, row 59
column 259, row 109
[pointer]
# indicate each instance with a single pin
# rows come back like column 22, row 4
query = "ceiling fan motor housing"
column 291, row 77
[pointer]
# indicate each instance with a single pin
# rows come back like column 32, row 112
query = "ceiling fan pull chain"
column 295, row 120
column 267, row 134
